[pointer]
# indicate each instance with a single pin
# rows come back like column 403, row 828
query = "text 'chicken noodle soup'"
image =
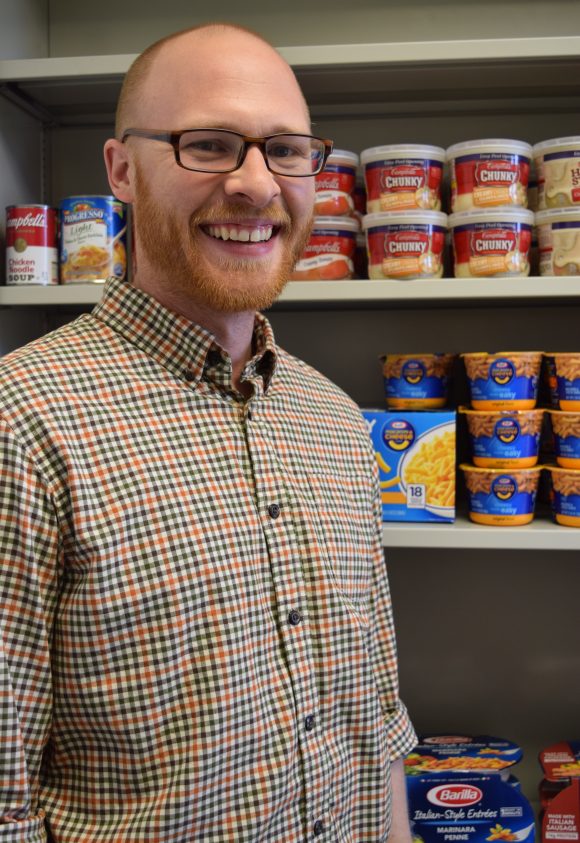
column 329, row 253
column 405, row 245
column 566, row 432
column 559, row 241
column 335, row 185
column 557, row 161
column 403, row 177
column 567, row 368
column 416, row 381
column 489, row 244
column 506, row 380
column 565, row 495
column 92, row 239
column 489, row 173
column 504, row 438
column 501, row 497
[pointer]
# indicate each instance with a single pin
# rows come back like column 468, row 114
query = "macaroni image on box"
column 416, row 458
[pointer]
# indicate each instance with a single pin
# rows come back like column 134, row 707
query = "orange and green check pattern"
column 197, row 637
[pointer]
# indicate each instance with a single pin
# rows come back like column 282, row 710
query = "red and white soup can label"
column 31, row 245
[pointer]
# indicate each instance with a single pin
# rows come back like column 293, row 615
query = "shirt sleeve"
column 401, row 735
column 29, row 563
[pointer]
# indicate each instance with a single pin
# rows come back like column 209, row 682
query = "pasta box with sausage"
column 415, row 453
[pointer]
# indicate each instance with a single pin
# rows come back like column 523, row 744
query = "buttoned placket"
column 274, row 501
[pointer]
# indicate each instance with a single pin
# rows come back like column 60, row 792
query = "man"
column 197, row 631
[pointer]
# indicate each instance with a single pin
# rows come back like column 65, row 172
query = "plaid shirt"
column 197, row 638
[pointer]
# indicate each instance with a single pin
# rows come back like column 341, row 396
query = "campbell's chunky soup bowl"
column 416, row 381
column 406, row 244
column 506, row 380
column 334, row 186
column 565, row 495
column 492, row 243
column 329, row 253
column 504, row 438
column 488, row 173
column 566, row 433
column 559, row 241
column 402, row 177
column 557, row 161
column 567, row 368
column 501, row 497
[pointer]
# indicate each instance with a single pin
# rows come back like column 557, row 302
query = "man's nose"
column 253, row 180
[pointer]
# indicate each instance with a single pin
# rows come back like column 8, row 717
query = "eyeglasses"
column 222, row 151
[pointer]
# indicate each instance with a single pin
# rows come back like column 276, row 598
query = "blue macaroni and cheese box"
column 415, row 453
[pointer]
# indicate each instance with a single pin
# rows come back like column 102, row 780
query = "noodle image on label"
column 93, row 239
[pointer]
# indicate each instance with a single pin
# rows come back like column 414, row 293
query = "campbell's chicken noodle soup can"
column 334, row 186
column 31, row 245
column 403, row 177
column 493, row 243
column 93, row 239
column 405, row 245
column 329, row 253
column 489, row 173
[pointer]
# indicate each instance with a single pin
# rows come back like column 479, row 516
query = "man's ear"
column 118, row 170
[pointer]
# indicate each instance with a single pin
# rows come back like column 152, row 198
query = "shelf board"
column 454, row 291
column 378, row 77
column 541, row 534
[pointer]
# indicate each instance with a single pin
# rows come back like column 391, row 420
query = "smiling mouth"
column 241, row 234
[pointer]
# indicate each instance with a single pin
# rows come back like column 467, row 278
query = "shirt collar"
column 181, row 346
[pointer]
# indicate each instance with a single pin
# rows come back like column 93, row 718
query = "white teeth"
column 242, row 235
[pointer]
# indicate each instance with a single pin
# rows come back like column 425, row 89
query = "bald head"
column 189, row 57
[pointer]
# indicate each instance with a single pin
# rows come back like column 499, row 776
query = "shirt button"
column 273, row 510
column 189, row 375
column 318, row 828
column 294, row 617
column 309, row 722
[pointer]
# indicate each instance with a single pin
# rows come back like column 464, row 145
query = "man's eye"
column 284, row 151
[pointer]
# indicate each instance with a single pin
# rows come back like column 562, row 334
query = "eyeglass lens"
column 220, row 151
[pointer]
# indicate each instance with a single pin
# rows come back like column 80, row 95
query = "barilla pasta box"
column 415, row 453
column 475, row 809
column 560, row 764
column 561, row 819
column 462, row 754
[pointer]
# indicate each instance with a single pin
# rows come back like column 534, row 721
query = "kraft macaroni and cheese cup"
column 329, row 253
column 501, row 497
column 506, row 380
column 402, row 177
column 406, row 244
column 559, row 241
column 557, row 162
column 565, row 495
column 334, row 186
column 567, row 368
column 493, row 243
column 504, row 438
column 416, row 381
column 489, row 173
column 566, row 431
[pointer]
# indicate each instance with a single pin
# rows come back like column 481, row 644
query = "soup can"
column 93, row 239
column 31, row 248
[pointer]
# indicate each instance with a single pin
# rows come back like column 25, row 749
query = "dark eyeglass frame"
column 173, row 138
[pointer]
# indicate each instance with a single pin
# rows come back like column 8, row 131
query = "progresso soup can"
column 31, row 250
column 93, row 239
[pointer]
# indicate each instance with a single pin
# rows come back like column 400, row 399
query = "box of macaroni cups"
column 415, row 454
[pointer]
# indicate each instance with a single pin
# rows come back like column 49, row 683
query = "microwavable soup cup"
column 505, row 380
column 565, row 495
column 501, row 497
column 504, row 438
column 567, row 368
column 566, row 431
column 416, row 381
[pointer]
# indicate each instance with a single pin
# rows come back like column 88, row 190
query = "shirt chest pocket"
column 345, row 526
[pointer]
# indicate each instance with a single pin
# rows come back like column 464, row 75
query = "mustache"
column 240, row 214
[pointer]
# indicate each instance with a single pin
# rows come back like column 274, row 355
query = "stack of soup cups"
column 330, row 252
column 564, row 377
column 504, row 428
